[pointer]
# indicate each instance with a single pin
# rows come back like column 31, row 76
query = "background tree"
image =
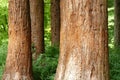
column 117, row 23
column 37, row 25
column 18, row 63
column 55, row 22
column 84, row 41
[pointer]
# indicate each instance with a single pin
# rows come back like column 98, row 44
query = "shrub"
column 44, row 67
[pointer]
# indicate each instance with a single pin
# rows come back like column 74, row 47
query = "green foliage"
column 114, row 61
column 111, row 26
column 44, row 67
column 3, row 15
column 110, row 3
column 3, row 37
column 47, row 22
column 47, row 36
column 114, row 53
column 46, row 14
column 3, row 51
column 3, row 33
column 4, row 3
column 3, row 20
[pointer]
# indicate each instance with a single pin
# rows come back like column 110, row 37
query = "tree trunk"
column 55, row 22
column 117, row 23
column 83, row 40
column 37, row 25
column 19, row 62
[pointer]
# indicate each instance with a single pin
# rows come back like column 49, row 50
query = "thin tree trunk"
column 55, row 22
column 83, row 40
column 37, row 25
column 19, row 63
column 117, row 23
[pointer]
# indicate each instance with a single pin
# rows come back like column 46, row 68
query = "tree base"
column 16, row 76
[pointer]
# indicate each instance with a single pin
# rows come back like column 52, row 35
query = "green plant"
column 3, row 52
column 44, row 67
column 47, row 35
column 114, row 61
column 3, row 20
column 3, row 15
column 110, row 3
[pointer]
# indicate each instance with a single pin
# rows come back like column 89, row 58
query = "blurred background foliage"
column 45, row 66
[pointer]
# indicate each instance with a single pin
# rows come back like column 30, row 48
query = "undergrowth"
column 44, row 67
column 3, row 51
column 114, row 62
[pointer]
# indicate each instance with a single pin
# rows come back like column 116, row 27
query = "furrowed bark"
column 19, row 63
column 83, row 40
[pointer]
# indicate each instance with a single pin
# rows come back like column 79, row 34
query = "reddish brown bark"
column 55, row 22
column 117, row 23
column 83, row 40
column 37, row 25
column 18, row 63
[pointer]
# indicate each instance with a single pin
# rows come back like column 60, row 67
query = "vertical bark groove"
column 37, row 25
column 55, row 22
column 83, row 40
column 19, row 62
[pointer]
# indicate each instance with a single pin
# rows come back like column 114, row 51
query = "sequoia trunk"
column 83, row 40
column 55, row 22
column 18, row 63
column 117, row 23
column 37, row 25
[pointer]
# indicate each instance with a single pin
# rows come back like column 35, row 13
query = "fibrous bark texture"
column 83, row 40
column 117, row 23
column 37, row 25
column 55, row 22
column 18, row 62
